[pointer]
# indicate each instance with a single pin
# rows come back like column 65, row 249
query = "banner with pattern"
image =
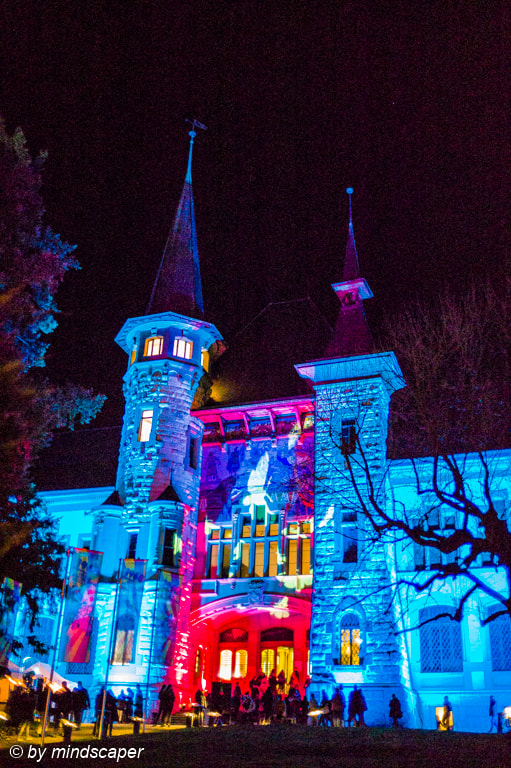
column 129, row 604
column 166, row 617
column 81, row 590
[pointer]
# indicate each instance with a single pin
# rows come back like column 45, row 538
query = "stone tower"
column 152, row 514
column 352, row 632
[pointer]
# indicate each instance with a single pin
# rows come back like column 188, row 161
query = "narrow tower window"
column 146, row 425
column 168, row 548
column 132, row 546
column 183, row 348
column 153, row 346
column 348, row 437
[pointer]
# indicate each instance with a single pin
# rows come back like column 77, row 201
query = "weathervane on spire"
column 192, row 134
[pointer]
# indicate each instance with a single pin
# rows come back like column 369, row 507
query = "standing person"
column 200, row 700
column 338, row 709
column 81, row 702
column 236, row 702
column 161, row 705
column 139, row 702
column 447, row 714
column 395, row 712
column 313, row 707
column 493, row 714
column 168, row 706
column 98, row 706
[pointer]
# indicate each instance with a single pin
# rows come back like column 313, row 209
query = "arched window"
column 234, row 635
column 224, row 673
column 440, row 641
column 240, row 664
column 500, row 643
column 267, row 660
column 350, row 640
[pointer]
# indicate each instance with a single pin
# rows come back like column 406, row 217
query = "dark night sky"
column 405, row 101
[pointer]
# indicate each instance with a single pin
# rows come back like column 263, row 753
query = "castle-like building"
column 231, row 541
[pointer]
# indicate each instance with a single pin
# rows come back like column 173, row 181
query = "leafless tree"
column 441, row 496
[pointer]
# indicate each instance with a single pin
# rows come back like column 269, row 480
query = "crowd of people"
column 27, row 703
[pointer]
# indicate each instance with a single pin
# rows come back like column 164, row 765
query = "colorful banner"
column 11, row 591
column 129, row 604
column 81, row 589
column 165, row 617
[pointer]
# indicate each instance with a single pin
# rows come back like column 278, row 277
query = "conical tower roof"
column 177, row 287
column 352, row 335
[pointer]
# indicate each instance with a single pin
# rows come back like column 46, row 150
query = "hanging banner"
column 81, row 590
column 166, row 617
column 11, row 591
column 129, row 604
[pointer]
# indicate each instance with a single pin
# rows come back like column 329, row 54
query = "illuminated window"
column 204, row 359
column 240, row 664
column 146, row 425
column 500, row 641
column 273, row 558
column 133, row 353
column 292, row 556
column 267, row 660
column 198, row 662
column 183, row 348
column 226, row 561
column 244, row 569
column 350, row 640
column 259, row 559
column 273, row 525
column 153, row 346
column 440, row 641
column 305, row 556
column 213, row 562
column 224, row 673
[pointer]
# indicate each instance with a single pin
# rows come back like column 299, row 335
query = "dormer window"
column 183, row 348
column 145, row 426
column 204, row 359
column 153, row 346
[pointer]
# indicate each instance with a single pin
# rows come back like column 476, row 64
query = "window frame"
column 151, row 342
column 187, row 351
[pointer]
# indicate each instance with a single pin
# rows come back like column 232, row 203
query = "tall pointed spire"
column 177, row 287
column 351, row 269
column 352, row 335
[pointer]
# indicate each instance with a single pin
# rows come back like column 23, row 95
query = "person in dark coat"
column 81, row 702
column 161, row 705
column 169, row 700
column 395, row 712
column 236, row 702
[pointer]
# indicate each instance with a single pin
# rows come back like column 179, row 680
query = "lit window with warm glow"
column 153, row 346
column 240, row 664
column 204, row 359
column 183, row 348
column 224, row 673
column 350, row 640
column 267, row 661
column 145, row 427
